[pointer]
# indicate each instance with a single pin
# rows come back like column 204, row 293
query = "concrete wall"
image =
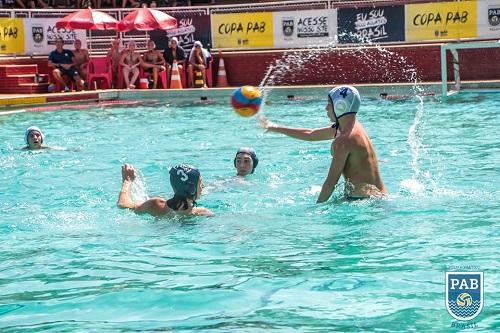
column 369, row 65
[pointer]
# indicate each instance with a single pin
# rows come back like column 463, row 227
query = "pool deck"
column 14, row 103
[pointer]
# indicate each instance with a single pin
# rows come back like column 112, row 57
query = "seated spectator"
column 130, row 62
column 107, row 3
column 198, row 60
column 64, row 64
column 81, row 58
column 174, row 52
column 114, row 55
column 133, row 3
column 153, row 62
column 28, row 4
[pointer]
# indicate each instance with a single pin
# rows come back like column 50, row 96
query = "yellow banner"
column 11, row 35
column 445, row 20
column 242, row 30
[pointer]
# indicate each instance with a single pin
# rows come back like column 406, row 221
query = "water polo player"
column 245, row 161
column 187, row 183
column 355, row 156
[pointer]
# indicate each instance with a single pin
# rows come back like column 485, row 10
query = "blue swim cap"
column 184, row 180
column 249, row 151
column 345, row 100
column 32, row 129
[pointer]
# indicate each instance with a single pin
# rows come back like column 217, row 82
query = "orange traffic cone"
column 221, row 74
column 175, row 78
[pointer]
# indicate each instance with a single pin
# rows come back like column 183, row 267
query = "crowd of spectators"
column 34, row 4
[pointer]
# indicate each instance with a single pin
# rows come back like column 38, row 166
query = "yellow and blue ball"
column 246, row 101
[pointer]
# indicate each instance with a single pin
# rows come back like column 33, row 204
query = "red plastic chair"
column 162, row 77
column 208, row 74
column 99, row 69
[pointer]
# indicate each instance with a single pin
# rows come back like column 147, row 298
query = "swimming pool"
column 271, row 259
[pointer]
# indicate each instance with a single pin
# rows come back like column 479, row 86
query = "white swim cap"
column 345, row 100
column 31, row 129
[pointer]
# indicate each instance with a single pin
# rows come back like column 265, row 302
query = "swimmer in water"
column 245, row 161
column 34, row 137
column 355, row 156
column 187, row 183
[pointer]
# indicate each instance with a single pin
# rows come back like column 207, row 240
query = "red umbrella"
column 147, row 19
column 87, row 19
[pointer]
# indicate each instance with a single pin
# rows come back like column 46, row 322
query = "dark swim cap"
column 184, row 180
column 249, row 151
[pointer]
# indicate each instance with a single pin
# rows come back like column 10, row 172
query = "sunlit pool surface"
column 271, row 259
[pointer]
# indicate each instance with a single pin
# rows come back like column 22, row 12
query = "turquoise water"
column 271, row 259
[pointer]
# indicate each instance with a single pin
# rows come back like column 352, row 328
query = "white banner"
column 41, row 33
column 304, row 28
column 488, row 19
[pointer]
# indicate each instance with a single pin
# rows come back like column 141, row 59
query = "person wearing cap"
column 187, row 183
column 199, row 58
column 174, row 52
column 34, row 137
column 245, row 161
column 355, row 156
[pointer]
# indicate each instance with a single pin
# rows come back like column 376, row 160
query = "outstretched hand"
column 266, row 123
column 128, row 172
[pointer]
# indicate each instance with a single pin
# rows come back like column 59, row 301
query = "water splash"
column 138, row 190
column 292, row 63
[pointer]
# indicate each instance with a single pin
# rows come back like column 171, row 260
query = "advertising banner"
column 371, row 24
column 11, row 35
column 41, row 34
column 242, row 30
column 488, row 19
column 304, row 28
column 444, row 20
column 191, row 26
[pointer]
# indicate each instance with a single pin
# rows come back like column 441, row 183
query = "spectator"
column 199, row 58
column 114, row 55
column 107, row 3
column 81, row 58
column 64, row 64
column 174, row 52
column 130, row 62
column 153, row 62
column 133, row 3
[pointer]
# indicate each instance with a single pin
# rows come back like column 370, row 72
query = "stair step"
column 19, row 69
column 26, row 78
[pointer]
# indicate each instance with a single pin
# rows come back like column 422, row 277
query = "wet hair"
column 177, row 203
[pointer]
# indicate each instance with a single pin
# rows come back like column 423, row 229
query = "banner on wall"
column 242, row 30
column 445, row 20
column 488, row 19
column 304, row 28
column 11, row 35
column 41, row 35
column 371, row 24
column 190, row 28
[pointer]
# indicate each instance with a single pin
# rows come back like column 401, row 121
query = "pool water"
column 271, row 259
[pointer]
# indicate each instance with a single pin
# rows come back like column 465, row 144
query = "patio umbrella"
column 87, row 19
column 146, row 19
